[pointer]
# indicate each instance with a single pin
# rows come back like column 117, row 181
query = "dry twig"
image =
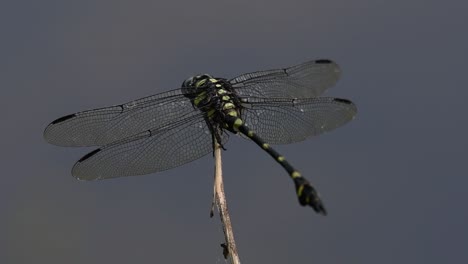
column 229, row 247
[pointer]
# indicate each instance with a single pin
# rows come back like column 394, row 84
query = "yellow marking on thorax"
column 225, row 98
column 265, row 146
column 232, row 113
column 211, row 112
column 200, row 83
column 201, row 96
column 281, row 158
column 213, row 80
column 218, row 85
column 228, row 106
column 250, row 133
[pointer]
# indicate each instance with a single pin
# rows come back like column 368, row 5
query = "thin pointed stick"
column 230, row 247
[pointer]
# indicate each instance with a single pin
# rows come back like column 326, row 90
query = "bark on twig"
column 229, row 247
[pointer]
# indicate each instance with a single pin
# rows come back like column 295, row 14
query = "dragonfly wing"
column 103, row 126
column 284, row 121
column 148, row 152
column 306, row 80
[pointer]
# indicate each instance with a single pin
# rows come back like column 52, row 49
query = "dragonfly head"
column 196, row 81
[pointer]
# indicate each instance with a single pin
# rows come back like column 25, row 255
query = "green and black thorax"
column 216, row 98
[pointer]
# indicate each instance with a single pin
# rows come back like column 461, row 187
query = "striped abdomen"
column 306, row 194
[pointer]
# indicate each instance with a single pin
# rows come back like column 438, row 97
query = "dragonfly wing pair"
column 166, row 130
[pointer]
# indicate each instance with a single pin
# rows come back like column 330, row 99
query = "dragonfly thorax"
column 213, row 96
column 192, row 81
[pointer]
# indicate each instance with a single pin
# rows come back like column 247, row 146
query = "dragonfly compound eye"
column 188, row 82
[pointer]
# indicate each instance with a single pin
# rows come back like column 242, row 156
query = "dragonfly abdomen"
column 306, row 194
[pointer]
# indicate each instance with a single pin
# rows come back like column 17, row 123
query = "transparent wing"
column 284, row 121
column 148, row 152
column 306, row 80
column 103, row 126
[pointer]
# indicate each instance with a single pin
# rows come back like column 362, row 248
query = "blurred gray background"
column 394, row 180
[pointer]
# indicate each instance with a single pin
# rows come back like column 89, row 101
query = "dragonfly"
column 172, row 128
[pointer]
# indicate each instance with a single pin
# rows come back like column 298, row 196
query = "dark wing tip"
column 63, row 118
column 89, row 155
column 323, row 61
column 77, row 170
column 340, row 100
column 351, row 107
column 48, row 131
